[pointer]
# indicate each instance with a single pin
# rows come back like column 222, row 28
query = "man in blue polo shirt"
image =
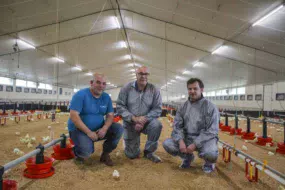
column 87, row 125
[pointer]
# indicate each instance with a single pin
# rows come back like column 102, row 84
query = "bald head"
column 97, row 76
column 98, row 84
column 142, row 76
column 142, row 69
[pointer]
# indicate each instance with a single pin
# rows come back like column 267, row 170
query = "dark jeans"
column 84, row 146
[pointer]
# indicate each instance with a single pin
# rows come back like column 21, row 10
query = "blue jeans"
column 84, row 146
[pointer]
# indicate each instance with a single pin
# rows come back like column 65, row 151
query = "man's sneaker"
column 186, row 162
column 78, row 160
column 151, row 156
column 85, row 161
column 208, row 168
column 106, row 159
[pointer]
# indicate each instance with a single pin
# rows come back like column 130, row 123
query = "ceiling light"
column 172, row 81
column 117, row 22
column 108, row 83
column 198, row 64
column 59, row 60
column 77, row 68
column 169, row 83
column 137, row 65
column 25, row 44
column 127, row 57
column 123, row 44
column 89, row 74
column 268, row 15
column 219, row 49
column 186, row 72
column 132, row 70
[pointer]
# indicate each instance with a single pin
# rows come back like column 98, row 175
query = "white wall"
column 33, row 96
column 278, row 87
column 114, row 92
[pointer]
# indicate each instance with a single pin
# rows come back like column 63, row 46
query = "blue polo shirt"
column 91, row 109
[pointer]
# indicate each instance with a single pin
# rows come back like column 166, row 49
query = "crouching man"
column 87, row 125
column 195, row 128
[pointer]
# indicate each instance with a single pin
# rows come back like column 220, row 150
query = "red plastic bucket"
column 10, row 184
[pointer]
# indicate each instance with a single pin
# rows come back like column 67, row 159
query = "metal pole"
column 227, row 122
column 30, row 154
column 248, row 125
column 256, row 119
column 255, row 160
column 236, row 122
column 1, row 177
column 284, row 131
column 264, row 128
column 4, row 108
column 268, row 172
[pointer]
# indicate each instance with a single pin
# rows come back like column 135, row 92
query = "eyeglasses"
column 145, row 74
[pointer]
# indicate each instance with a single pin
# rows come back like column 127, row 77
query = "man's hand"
column 182, row 146
column 92, row 135
column 142, row 120
column 101, row 133
column 191, row 148
column 138, row 127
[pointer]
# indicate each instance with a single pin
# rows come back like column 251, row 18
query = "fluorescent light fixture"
column 108, row 83
column 169, row 83
column 89, row 74
column 25, row 44
column 268, row 15
column 132, row 70
column 137, row 65
column 172, row 81
column 127, row 57
column 59, row 60
column 77, row 68
column 123, row 44
column 183, row 96
column 186, row 72
column 197, row 64
column 117, row 22
column 219, row 49
column 133, row 74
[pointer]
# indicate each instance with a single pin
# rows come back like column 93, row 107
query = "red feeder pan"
column 116, row 119
column 38, row 171
column 263, row 141
column 63, row 153
column 248, row 136
column 225, row 128
column 235, row 131
column 281, row 148
column 71, row 142
column 10, row 184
